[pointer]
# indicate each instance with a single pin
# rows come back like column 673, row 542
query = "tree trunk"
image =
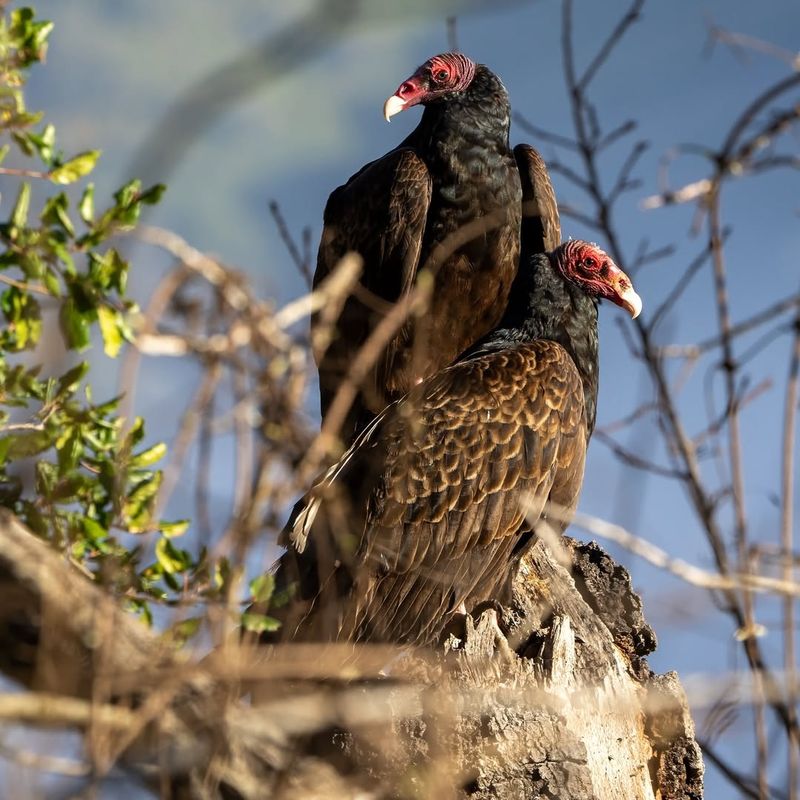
column 554, row 701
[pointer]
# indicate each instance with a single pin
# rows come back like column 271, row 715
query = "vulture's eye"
column 441, row 75
column 589, row 262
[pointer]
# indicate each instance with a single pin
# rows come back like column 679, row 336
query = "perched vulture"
column 423, row 515
column 447, row 200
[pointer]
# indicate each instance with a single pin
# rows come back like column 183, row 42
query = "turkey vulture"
column 423, row 514
column 447, row 199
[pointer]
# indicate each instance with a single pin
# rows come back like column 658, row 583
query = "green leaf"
column 141, row 607
column 4, row 152
column 109, row 270
column 51, row 282
column 70, row 380
column 259, row 623
column 152, row 195
column 174, row 529
column 55, row 213
column 149, row 457
column 136, row 433
column 69, row 448
column 41, row 32
column 74, row 325
column 222, row 573
column 46, row 478
column 137, row 506
column 44, row 142
column 86, row 204
column 75, row 168
column 93, row 530
column 170, row 558
column 182, row 631
column 128, row 193
column 262, row 587
column 109, row 328
column 24, row 318
column 60, row 251
column 22, row 142
column 19, row 216
column 28, row 443
column 4, row 445
column 10, row 491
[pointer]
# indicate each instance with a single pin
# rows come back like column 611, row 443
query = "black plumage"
column 424, row 513
column 446, row 200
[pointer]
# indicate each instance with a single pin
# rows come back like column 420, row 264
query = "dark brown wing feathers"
column 379, row 213
column 541, row 228
column 444, row 515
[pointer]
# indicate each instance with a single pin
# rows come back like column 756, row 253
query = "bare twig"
column 787, row 537
column 637, row 461
column 729, row 161
column 704, row 579
column 452, row 34
column 742, row 781
column 53, row 764
column 741, row 41
column 745, row 326
column 26, row 287
column 50, row 709
column 611, row 42
column 303, row 267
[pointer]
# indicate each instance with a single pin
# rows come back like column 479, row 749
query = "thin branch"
column 570, row 175
column 26, row 287
column 580, row 217
column 544, row 135
column 737, row 472
column 695, row 576
column 742, row 40
column 630, row 16
column 52, row 764
column 761, row 317
column 669, row 302
column 24, row 173
column 749, row 114
column 623, row 182
column 616, row 133
column 50, row 709
column 787, row 535
column 452, row 34
column 298, row 260
column 636, row 461
column 584, row 122
column 744, row 783
column 645, row 256
column 628, row 420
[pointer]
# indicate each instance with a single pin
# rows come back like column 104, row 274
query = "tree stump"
column 552, row 700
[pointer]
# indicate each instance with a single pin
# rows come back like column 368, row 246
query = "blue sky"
column 115, row 68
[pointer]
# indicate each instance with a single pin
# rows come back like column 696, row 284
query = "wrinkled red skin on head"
column 603, row 278
column 428, row 82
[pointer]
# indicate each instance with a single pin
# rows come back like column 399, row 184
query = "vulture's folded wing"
column 541, row 228
column 425, row 512
column 379, row 213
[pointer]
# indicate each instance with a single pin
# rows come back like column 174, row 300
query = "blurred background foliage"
column 70, row 467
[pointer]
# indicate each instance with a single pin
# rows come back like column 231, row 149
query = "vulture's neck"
column 478, row 117
column 544, row 305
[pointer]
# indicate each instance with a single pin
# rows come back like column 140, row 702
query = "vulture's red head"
column 589, row 267
column 438, row 76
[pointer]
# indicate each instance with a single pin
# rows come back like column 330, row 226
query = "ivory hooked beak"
column 394, row 105
column 631, row 302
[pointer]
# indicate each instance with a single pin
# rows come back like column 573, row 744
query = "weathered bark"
column 559, row 704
